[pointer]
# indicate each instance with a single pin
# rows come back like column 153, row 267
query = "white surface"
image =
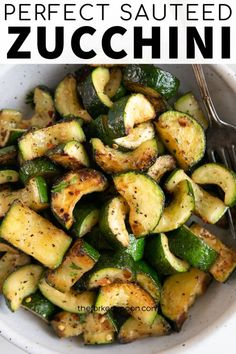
column 210, row 329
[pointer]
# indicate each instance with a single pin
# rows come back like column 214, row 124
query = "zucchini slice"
column 163, row 164
column 114, row 161
column 66, row 324
column 71, row 301
column 67, row 101
column 96, row 239
column 34, row 195
column 37, row 142
column 214, row 173
column 98, row 329
column 21, row 283
column 226, row 261
column 8, row 155
column 38, row 237
column 130, row 296
column 114, row 89
column 179, row 293
column 158, row 254
column 188, row 246
column 189, row 104
column 10, row 126
column 8, row 176
column 207, row 207
column 9, row 263
column 128, row 112
column 86, row 217
column 150, row 80
column 183, row 137
column 39, row 167
column 71, row 155
column 145, row 199
column 137, row 136
column 148, row 279
column 45, row 113
column 112, row 226
column 92, row 91
column 80, row 258
column 133, row 329
column 179, row 210
column 69, row 190
column 39, row 306
column 136, row 247
column 112, row 222
column 98, row 129
column 112, row 268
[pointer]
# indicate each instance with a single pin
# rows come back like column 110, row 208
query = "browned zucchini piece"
column 133, row 329
column 80, row 258
column 99, row 329
column 114, row 161
column 70, row 188
column 183, row 137
column 67, row 101
column 9, row 262
column 67, row 324
column 226, row 261
column 179, row 293
column 163, row 164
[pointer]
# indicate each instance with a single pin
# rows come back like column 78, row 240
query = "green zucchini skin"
column 86, row 217
column 98, row 128
column 102, row 273
column 96, row 239
column 136, row 77
column 157, row 253
column 184, row 244
column 40, row 306
column 39, row 167
column 136, row 247
column 8, row 155
column 91, row 101
column 115, row 121
column 148, row 279
column 127, row 113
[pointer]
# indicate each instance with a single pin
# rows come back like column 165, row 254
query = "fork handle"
column 201, row 81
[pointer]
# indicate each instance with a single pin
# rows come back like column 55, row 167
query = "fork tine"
column 224, row 155
column 233, row 156
column 212, row 157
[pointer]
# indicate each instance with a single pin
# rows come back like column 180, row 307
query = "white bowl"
column 211, row 313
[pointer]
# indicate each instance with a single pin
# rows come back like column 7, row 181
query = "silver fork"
column 221, row 136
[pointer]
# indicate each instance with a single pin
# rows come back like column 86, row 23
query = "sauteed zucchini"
column 106, row 158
